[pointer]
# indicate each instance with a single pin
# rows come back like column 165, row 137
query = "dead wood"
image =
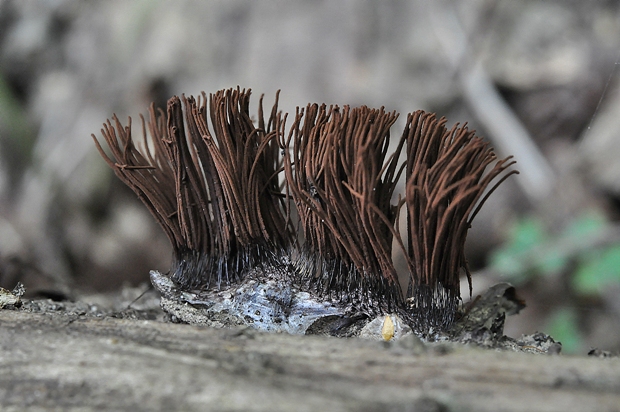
column 61, row 361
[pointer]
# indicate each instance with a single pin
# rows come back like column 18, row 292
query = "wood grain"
column 58, row 362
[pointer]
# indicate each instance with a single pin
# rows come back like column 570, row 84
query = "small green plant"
column 585, row 244
column 525, row 240
column 587, row 251
column 563, row 326
column 599, row 269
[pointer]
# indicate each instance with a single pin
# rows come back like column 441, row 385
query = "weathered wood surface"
column 58, row 362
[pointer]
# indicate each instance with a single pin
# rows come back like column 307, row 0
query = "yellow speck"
column 387, row 330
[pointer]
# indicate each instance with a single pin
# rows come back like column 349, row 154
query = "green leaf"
column 552, row 261
column 597, row 270
column 563, row 327
column 525, row 235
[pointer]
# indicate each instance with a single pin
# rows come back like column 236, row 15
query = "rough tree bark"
column 67, row 360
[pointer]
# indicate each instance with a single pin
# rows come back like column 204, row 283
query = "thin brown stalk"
column 447, row 174
column 341, row 181
column 215, row 194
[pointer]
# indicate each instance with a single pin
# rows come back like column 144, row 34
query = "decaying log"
column 66, row 361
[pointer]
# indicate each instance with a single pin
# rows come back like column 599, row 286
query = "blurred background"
column 539, row 79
